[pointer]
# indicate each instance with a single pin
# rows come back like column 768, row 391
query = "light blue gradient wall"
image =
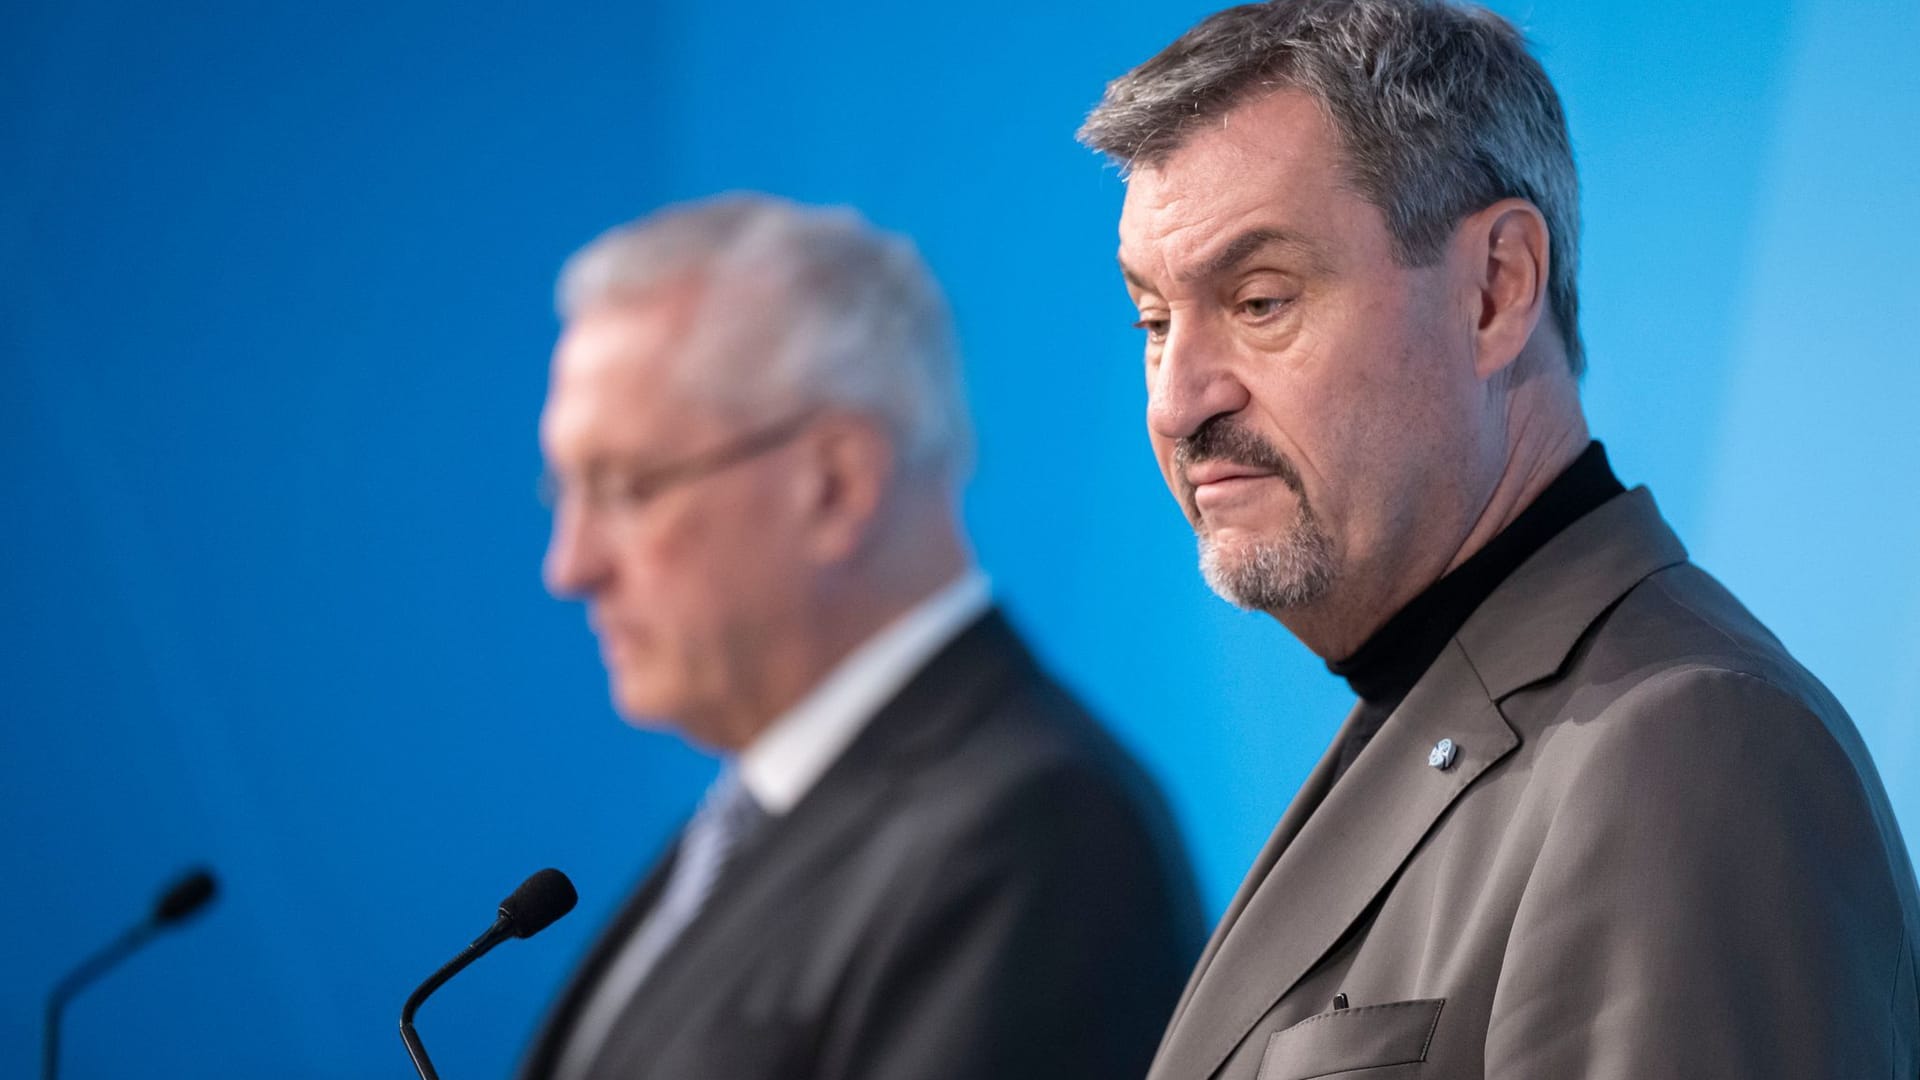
column 274, row 328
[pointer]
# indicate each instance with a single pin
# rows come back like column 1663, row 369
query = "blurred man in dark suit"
column 1589, row 818
column 922, row 859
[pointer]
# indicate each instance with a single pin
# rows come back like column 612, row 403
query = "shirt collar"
column 784, row 763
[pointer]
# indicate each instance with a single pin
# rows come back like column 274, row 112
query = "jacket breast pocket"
column 1346, row 1040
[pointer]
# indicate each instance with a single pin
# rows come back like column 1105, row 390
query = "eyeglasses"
column 613, row 490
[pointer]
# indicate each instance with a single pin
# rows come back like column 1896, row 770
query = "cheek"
column 649, row 568
column 1162, row 448
column 1321, row 406
column 1163, row 457
column 707, row 574
column 660, row 596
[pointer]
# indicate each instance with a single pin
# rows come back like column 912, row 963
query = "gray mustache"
column 1222, row 439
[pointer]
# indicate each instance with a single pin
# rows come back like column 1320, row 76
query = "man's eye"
column 604, row 489
column 627, row 489
column 1261, row 307
column 1156, row 328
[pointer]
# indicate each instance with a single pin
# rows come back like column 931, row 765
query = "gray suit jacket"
column 984, row 885
column 1661, row 851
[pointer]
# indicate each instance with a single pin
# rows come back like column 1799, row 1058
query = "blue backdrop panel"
column 275, row 323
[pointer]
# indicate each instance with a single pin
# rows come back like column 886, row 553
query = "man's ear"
column 1506, row 246
column 851, row 460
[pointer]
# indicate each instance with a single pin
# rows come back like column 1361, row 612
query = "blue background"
column 275, row 322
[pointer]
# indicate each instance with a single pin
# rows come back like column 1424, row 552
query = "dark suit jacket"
column 1661, row 851
column 983, row 886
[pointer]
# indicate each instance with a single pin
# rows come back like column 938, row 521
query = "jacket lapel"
column 1298, row 811
column 541, row 1060
column 924, row 719
column 776, row 867
column 1526, row 629
column 1341, row 855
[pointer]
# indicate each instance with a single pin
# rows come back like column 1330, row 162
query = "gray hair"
column 856, row 321
column 1441, row 110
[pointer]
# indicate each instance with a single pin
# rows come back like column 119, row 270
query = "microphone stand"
column 76, row 980
column 498, row 932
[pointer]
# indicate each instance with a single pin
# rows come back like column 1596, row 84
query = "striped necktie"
column 727, row 816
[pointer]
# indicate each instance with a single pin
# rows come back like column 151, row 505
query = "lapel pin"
column 1443, row 754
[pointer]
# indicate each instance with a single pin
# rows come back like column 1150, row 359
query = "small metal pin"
column 1339, row 1001
column 1443, row 754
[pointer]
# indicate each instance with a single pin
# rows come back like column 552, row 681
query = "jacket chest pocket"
column 1346, row 1040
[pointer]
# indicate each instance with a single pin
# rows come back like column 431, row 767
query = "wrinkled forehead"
column 696, row 342
column 627, row 339
column 1273, row 162
column 621, row 380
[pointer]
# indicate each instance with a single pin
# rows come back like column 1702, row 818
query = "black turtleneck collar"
column 1383, row 669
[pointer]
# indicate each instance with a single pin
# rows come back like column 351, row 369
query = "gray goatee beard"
column 1272, row 575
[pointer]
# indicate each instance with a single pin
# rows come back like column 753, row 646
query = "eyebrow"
column 1239, row 250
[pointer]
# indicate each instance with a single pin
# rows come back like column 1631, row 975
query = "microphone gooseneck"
column 182, row 899
column 534, row 906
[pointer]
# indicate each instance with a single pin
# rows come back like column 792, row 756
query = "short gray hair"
column 858, row 323
column 1441, row 110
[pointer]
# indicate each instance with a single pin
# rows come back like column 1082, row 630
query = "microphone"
column 186, row 896
column 534, row 906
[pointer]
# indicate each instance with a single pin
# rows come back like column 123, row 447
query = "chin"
column 639, row 721
column 1282, row 574
column 648, row 711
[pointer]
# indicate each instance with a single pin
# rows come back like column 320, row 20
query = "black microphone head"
column 538, row 901
column 188, row 895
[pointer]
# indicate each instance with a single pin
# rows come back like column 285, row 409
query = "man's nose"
column 575, row 563
column 1193, row 382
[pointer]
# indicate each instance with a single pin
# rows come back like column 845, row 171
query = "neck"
column 1545, row 431
column 1541, row 453
column 847, row 606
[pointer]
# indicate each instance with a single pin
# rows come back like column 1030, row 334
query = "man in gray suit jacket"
column 1589, row 818
column 922, row 858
